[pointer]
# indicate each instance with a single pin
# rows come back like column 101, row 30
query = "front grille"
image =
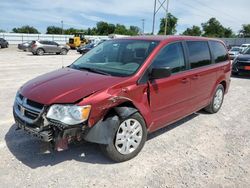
column 27, row 110
column 34, row 104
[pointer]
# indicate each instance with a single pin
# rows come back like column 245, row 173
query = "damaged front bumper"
column 30, row 117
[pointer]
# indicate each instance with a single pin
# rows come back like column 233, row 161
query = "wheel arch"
column 40, row 48
column 224, row 84
column 105, row 129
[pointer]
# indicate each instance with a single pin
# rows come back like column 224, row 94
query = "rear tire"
column 129, row 139
column 217, row 100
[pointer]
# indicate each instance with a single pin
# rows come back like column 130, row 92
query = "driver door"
column 171, row 96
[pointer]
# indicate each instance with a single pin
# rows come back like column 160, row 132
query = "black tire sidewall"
column 110, row 149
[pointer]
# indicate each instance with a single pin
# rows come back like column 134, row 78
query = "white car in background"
column 234, row 52
column 244, row 46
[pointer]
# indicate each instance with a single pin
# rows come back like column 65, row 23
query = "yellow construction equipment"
column 77, row 41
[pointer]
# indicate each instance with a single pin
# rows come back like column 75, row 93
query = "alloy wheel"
column 128, row 136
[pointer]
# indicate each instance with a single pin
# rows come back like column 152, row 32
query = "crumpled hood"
column 66, row 86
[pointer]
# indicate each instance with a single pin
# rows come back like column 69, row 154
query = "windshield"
column 89, row 45
column 235, row 49
column 116, row 57
column 247, row 51
column 245, row 45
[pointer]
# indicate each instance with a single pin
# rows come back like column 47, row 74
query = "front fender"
column 103, row 132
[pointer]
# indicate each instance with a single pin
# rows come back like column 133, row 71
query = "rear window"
column 219, row 51
column 199, row 54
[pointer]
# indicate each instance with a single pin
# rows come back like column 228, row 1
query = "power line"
column 211, row 14
column 214, row 9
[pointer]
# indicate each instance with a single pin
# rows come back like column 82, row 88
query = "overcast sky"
column 85, row 13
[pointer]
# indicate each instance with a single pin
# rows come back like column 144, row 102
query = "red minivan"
column 124, row 89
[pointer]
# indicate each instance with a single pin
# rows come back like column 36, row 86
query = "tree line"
column 102, row 28
column 211, row 28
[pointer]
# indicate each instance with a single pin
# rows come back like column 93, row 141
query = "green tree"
column 102, row 28
column 245, row 30
column 193, row 31
column 54, row 30
column 2, row 31
column 71, row 31
column 25, row 29
column 111, row 28
column 213, row 28
column 171, row 24
column 228, row 33
column 120, row 29
column 133, row 30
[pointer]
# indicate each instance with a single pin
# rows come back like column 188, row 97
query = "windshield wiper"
column 93, row 70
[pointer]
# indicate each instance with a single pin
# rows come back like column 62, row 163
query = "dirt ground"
column 201, row 150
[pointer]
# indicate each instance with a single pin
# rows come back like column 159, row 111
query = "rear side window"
column 219, row 51
column 199, row 54
column 171, row 56
column 43, row 42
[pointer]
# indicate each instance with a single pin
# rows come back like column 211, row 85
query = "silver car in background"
column 24, row 46
column 234, row 52
column 42, row 46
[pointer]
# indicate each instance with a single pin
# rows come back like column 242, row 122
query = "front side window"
column 116, row 57
column 219, row 51
column 171, row 56
column 199, row 54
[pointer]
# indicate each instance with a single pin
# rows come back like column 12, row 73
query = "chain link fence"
column 17, row 38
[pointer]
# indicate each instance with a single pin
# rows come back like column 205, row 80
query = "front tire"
column 64, row 52
column 40, row 51
column 217, row 100
column 129, row 139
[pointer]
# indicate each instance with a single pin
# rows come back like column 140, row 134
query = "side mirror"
column 162, row 72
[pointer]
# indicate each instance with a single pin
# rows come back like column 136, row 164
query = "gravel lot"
column 201, row 150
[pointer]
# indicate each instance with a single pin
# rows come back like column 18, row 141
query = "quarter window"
column 219, row 52
column 171, row 56
column 199, row 54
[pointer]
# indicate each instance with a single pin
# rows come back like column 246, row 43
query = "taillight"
column 33, row 46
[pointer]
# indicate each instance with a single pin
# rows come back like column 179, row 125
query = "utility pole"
column 62, row 26
column 156, row 10
column 143, row 22
column 153, row 28
column 166, row 19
